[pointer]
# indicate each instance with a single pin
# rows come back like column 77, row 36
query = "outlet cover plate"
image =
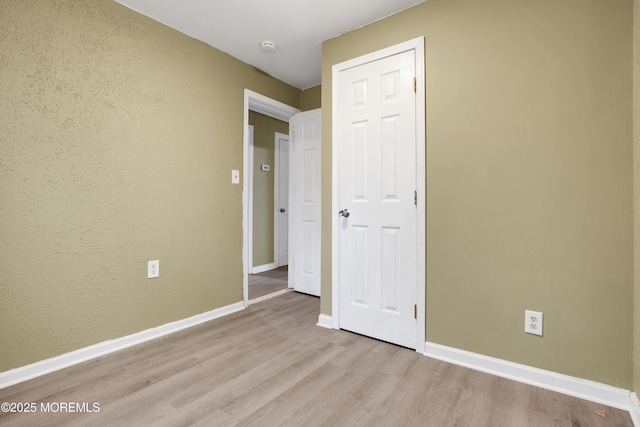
column 153, row 269
column 533, row 322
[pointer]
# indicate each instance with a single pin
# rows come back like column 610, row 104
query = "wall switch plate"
column 533, row 322
column 153, row 269
column 235, row 176
column 265, row 168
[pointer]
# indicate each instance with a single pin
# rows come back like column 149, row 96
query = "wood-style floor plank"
column 268, row 282
column 270, row 365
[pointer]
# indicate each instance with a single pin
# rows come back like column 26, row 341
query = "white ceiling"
column 298, row 27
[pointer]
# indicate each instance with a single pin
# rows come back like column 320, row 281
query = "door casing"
column 279, row 173
column 270, row 107
column 249, row 180
column 418, row 46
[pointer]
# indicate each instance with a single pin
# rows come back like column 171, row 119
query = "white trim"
column 264, row 267
column 24, row 373
column 259, row 103
column 572, row 386
column 270, row 107
column 421, row 188
column 416, row 45
column 335, row 201
column 276, row 197
column 634, row 409
column 325, row 321
column 292, row 175
column 251, row 142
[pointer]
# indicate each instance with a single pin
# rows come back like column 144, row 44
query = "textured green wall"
column 263, row 153
column 310, row 99
column 636, row 195
column 529, row 176
column 118, row 139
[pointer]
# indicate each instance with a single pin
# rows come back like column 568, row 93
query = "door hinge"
column 415, row 311
column 415, row 84
column 415, row 198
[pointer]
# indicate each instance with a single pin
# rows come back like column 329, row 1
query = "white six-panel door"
column 377, row 184
column 281, row 202
column 304, row 265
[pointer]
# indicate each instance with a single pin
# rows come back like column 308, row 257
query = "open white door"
column 281, row 202
column 304, row 195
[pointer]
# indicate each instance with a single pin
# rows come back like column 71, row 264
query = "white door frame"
column 269, row 107
column 276, row 195
column 249, row 181
column 416, row 45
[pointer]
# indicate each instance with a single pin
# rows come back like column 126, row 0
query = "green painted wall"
column 118, row 139
column 310, row 99
column 636, row 195
column 529, row 176
column 263, row 153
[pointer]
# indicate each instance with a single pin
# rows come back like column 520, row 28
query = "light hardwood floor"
column 268, row 282
column 269, row 365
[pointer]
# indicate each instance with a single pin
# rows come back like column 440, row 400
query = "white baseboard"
column 325, row 321
column 264, row 267
column 634, row 409
column 24, row 373
column 572, row 386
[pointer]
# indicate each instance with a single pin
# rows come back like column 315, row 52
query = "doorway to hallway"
column 268, row 283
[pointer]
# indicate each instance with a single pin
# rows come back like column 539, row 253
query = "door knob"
column 283, row 210
column 344, row 213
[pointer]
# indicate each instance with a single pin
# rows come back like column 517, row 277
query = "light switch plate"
column 265, row 168
column 235, row 176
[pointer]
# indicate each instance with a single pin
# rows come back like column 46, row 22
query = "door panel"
column 377, row 180
column 282, row 203
column 304, row 265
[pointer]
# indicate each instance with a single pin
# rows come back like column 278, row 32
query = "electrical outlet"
column 533, row 322
column 153, row 269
